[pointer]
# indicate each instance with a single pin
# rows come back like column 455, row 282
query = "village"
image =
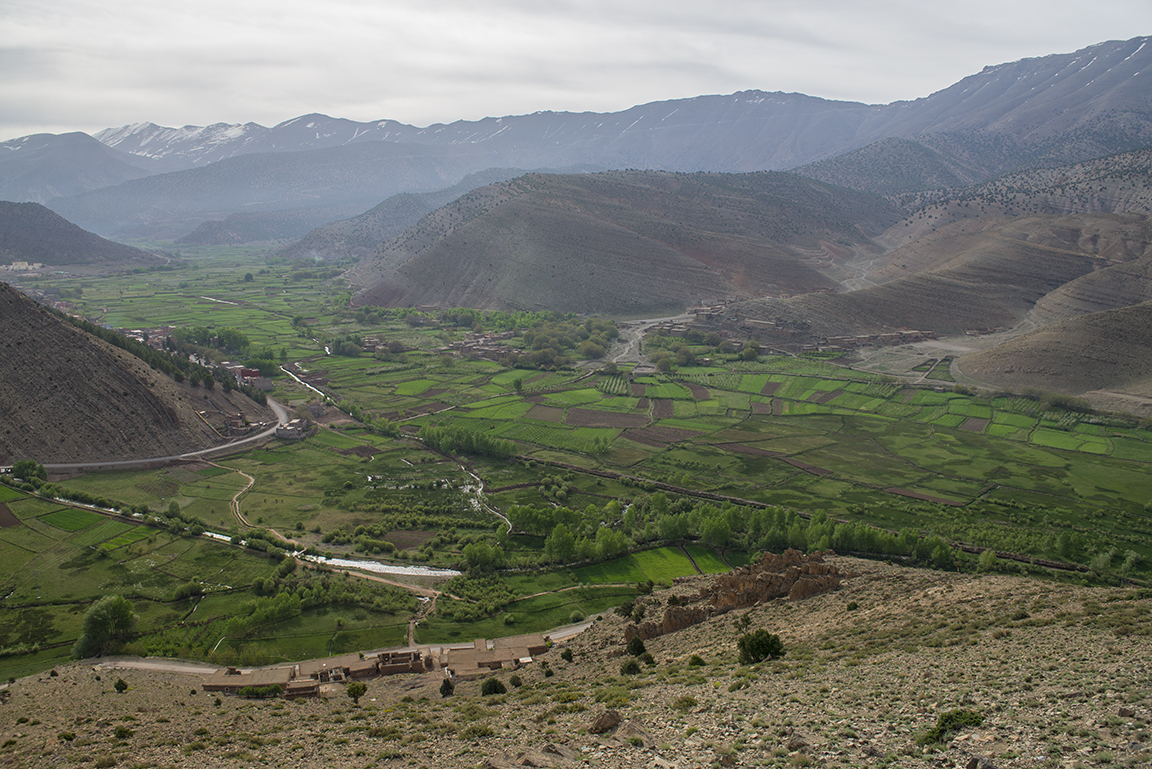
column 315, row 678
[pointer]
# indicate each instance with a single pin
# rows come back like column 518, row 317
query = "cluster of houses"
column 838, row 343
column 296, row 430
column 486, row 346
column 459, row 662
column 247, row 376
column 21, row 266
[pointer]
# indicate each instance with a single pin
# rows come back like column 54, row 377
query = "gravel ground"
column 1059, row 675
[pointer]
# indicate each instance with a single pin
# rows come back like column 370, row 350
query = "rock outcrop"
column 791, row 575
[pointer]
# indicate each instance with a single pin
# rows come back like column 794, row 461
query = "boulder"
column 605, row 722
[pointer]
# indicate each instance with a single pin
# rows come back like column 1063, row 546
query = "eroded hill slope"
column 68, row 397
column 626, row 242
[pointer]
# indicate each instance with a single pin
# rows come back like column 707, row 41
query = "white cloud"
column 78, row 65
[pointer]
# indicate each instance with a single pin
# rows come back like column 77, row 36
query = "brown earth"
column 545, row 413
column 69, row 397
column 1058, row 674
column 593, row 418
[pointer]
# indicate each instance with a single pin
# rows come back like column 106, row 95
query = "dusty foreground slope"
column 69, row 397
column 1059, row 674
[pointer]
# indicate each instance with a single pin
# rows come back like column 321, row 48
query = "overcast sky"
column 84, row 65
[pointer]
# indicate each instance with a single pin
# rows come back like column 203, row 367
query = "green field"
column 797, row 434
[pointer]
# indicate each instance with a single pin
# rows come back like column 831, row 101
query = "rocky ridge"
column 791, row 574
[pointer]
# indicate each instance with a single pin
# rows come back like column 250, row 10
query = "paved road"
column 281, row 417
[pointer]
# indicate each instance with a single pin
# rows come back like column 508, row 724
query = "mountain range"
column 145, row 180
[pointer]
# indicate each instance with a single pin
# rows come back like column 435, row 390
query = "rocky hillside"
column 69, row 397
column 976, row 274
column 29, row 232
column 622, row 242
column 1109, row 350
column 1046, row 674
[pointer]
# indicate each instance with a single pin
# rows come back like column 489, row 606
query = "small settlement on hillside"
column 458, row 662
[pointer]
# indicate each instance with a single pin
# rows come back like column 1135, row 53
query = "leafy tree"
column 356, row 690
column 248, row 277
column 121, row 685
column 107, row 619
column 560, row 545
column 28, row 469
column 758, row 646
column 636, row 646
column 447, row 688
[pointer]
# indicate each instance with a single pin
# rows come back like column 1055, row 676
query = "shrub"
column 758, row 646
column 476, row 731
column 566, row 655
column 576, row 616
column 447, row 689
column 516, row 682
column 647, row 658
column 122, row 732
column 492, row 686
column 121, row 685
column 684, row 704
column 696, row 661
column 950, row 722
column 636, row 646
column 259, row 692
column 629, row 668
column 852, row 606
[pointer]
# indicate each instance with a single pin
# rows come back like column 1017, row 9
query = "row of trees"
column 451, row 439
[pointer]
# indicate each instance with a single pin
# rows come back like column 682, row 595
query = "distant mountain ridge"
column 1092, row 91
column 1055, row 109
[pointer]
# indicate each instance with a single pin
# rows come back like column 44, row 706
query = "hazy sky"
column 83, row 65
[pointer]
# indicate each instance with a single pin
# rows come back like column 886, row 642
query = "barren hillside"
column 1050, row 675
column 622, row 242
column 1111, row 349
column 977, row 274
column 69, row 397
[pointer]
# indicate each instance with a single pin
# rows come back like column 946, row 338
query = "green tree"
column 107, row 619
column 356, row 690
column 447, row 688
column 121, row 685
column 28, row 469
column 560, row 545
column 248, row 277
